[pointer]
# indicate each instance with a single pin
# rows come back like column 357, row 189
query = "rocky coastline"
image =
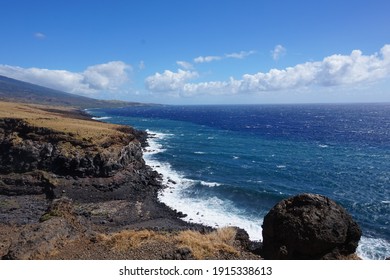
column 75, row 188
column 67, row 181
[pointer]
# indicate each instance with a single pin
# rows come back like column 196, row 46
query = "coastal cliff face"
column 25, row 148
column 50, row 154
column 39, row 160
column 75, row 188
column 42, row 150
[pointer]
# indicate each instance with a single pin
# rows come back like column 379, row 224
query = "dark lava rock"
column 243, row 237
column 309, row 226
column 180, row 254
column 26, row 148
column 40, row 240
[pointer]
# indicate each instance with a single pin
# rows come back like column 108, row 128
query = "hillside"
column 18, row 91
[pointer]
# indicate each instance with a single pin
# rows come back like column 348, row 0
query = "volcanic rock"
column 309, row 226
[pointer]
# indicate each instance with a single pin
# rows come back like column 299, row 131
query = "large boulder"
column 309, row 226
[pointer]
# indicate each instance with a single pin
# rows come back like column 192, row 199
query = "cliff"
column 75, row 188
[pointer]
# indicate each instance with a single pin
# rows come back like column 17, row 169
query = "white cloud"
column 108, row 76
column 210, row 58
column 240, row 55
column 102, row 77
column 278, row 52
column 333, row 70
column 203, row 59
column 169, row 81
column 185, row 65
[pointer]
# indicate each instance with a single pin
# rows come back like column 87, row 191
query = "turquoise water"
column 228, row 165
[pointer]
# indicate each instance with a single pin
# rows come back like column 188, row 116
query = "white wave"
column 158, row 135
column 373, row 248
column 212, row 211
column 323, row 146
column 199, row 153
column 281, row 166
column 154, row 147
column 210, row 184
column 101, row 118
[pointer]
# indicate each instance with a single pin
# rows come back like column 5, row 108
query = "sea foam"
column 101, row 118
column 373, row 248
column 217, row 212
column 212, row 211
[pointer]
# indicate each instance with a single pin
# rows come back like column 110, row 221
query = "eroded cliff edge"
column 70, row 185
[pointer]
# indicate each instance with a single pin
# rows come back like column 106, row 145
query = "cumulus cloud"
column 102, row 77
column 169, row 81
column 333, row 70
column 278, row 52
column 106, row 76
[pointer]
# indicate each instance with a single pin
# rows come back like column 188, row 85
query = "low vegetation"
column 202, row 246
column 62, row 119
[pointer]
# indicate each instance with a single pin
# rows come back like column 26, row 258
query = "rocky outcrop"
column 57, row 227
column 61, row 185
column 26, row 148
column 309, row 226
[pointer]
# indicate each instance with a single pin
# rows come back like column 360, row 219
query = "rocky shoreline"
column 67, row 180
column 76, row 188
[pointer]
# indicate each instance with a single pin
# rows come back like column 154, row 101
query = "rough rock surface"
column 309, row 226
column 66, row 181
column 39, row 240
column 106, row 184
column 26, row 148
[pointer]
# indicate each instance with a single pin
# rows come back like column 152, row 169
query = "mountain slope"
column 19, row 91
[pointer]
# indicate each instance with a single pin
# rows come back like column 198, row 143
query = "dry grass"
column 202, row 246
column 63, row 119
column 128, row 239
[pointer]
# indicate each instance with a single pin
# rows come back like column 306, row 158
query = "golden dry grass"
column 63, row 119
column 202, row 246
column 127, row 239
column 205, row 246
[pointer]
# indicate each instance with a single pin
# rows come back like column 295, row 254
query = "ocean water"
column 229, row 165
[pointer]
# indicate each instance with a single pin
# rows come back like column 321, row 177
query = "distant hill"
column 18, row 91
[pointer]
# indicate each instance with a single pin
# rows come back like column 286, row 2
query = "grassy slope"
column 63, row 119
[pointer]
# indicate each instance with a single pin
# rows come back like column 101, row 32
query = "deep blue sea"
column 228, row 165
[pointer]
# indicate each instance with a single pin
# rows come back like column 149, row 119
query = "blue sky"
column 201, row 52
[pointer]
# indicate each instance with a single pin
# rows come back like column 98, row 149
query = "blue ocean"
column 230, row 164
